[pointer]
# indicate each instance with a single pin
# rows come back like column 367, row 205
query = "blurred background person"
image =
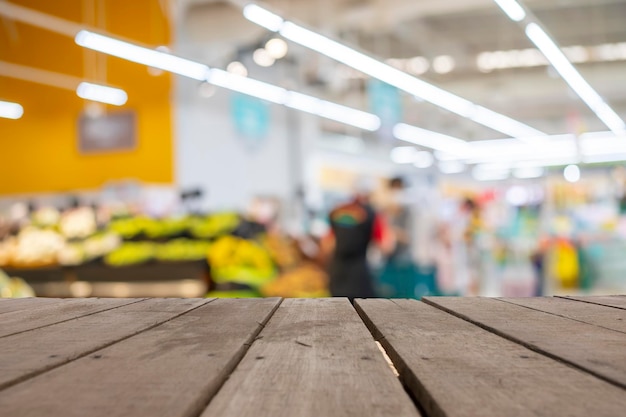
column 354, row 226
column 399, row 273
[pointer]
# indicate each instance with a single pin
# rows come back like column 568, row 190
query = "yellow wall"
column 39, row 152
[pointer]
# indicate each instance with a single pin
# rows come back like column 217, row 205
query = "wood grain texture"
column 615, row 301
column 8, row 305
column 313, row 358
column 41, row 315
column 608, row 318
column 457, row 369
column 30, row 353
column 599, row 351
column 171, row 370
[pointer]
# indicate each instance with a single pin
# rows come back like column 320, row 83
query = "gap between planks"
column 593, row 366
column 595, row 315
column 611, row 301
column 47, row 311
column 44, row 369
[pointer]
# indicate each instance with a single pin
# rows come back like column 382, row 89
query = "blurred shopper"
column 353, row 227
column 398, row 278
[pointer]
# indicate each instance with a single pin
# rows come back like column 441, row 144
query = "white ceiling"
column 215, row 30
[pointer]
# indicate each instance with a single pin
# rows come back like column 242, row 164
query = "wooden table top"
column 298, row 357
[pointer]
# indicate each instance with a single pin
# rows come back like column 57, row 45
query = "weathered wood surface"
column 270, row 357
column 598, row 315
column 46, row 314
column 599, row 351
column 313, row 358
column 169, row 370
column 455, row 368
column 30, row 353
column 616, row 301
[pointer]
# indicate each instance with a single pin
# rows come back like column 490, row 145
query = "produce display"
column 305, row 281
column 210, row 227
column 241, row 261
column 131, row 253
column 182, row 250
column 31, row 248
column 14, row 287
column 244, row 260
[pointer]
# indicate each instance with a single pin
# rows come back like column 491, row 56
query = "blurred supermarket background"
column 192, row 147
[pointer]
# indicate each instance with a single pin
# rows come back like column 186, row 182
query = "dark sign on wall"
column 109, row 132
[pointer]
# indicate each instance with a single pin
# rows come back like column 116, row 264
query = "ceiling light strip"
column 387, row 73
column 224, row 79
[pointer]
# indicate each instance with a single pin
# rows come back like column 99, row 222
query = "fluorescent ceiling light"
column 332, row 111
column 220, row 78
column 403, row 154
column 263, row 17
column 429, row 139
column 141, row 55
column 386, row 73
column 249, row 86
column 423, row 159
column 512, row 9
column 102, row 94
column 555, row 162
column 348, row 115
column 10, row 110
column 481, row 173
column 571, row 173
column 529, row 172
column 451, row 167
column 573, row 78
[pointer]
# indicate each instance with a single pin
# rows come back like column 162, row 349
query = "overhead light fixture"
column 102, row 94
column 403, row 154
column 332, row 111
column 249, row 86
column 571, row 173
column 488, row 173
column 237, row 68
column 262, row 58
column 573, row 78
column 429, row 139
column 234, row 82
column 384, row 72
column 423, row 159
column 141, row 55
column 512, row 9
column 451, row 167
column 528, row 172
column 263, row 17
column 276, row 48
column 348, row 115
column 9, row 110
column 444, row 64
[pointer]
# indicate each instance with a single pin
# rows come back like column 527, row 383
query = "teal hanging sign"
column 386, row 103
column 251, row 116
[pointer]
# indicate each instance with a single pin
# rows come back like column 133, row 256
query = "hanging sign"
column 108, row 132
column 251, row 116
column 386, row 103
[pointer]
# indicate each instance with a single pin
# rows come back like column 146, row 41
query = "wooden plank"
column 457, row 369
column 599, row 351
column 31, row 353
column 170, row 370
column 313, row 358
column 47, row 314
column 615, row 301
column 9, row 305
column 608, row 318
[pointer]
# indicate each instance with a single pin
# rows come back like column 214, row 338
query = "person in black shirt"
column 353, row 227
